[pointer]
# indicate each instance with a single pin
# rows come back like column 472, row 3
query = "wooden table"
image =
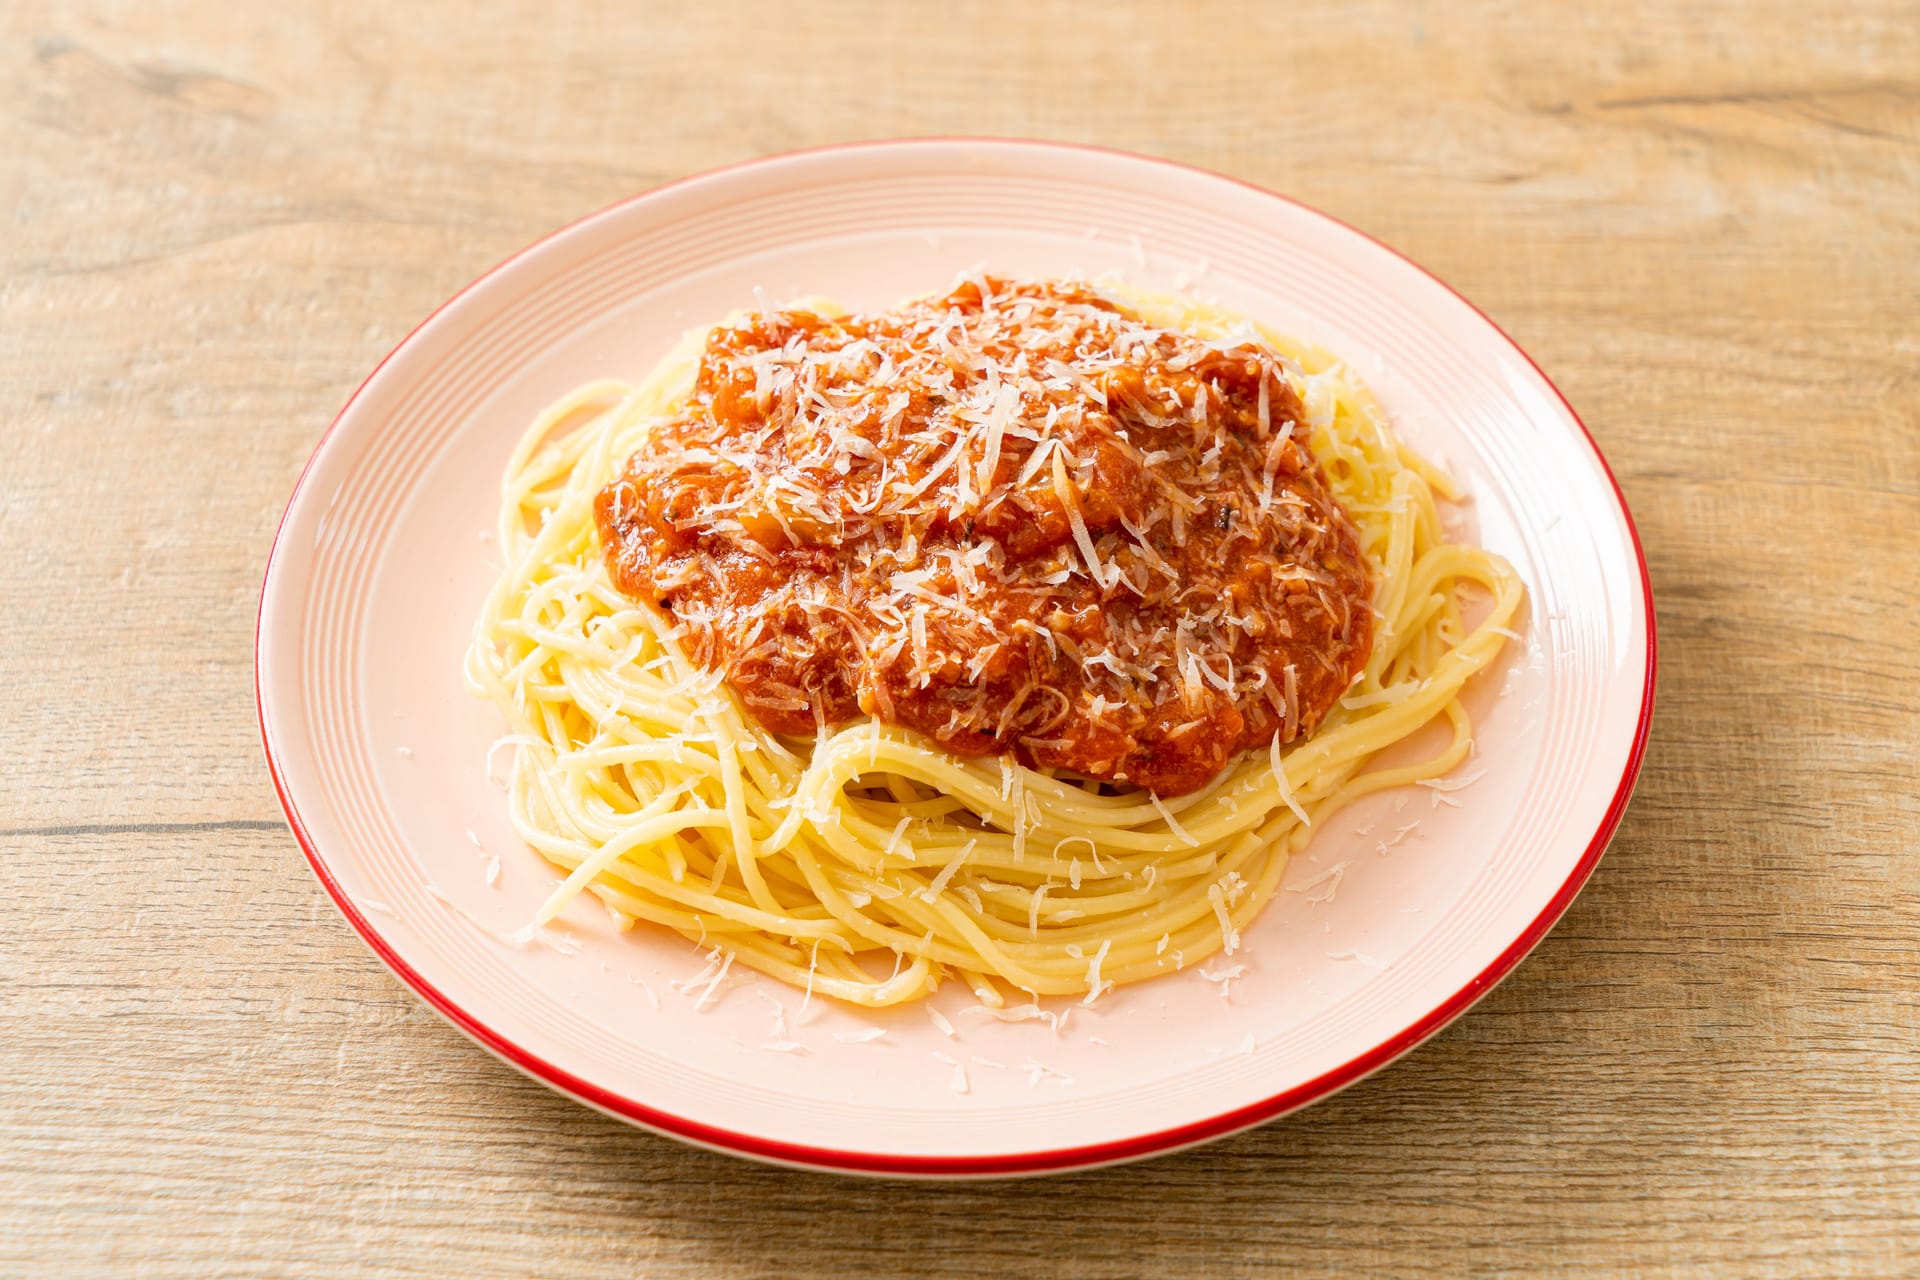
column 1703, row 219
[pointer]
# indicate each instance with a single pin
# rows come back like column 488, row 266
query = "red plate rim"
column 1022, row 1163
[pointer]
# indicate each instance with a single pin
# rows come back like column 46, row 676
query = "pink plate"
column 1403, row 912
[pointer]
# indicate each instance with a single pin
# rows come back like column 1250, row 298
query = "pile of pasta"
column 869, row 866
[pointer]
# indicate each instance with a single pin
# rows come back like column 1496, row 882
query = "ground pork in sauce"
column 1012, row 518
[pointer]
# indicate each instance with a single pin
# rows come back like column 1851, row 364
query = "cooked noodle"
column 870, row 866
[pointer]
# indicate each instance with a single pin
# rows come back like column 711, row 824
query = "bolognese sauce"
column 1013, row 518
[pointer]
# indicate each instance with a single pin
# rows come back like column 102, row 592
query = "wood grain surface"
column 1703, row 219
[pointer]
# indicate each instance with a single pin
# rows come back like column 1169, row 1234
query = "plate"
column 1404, row 910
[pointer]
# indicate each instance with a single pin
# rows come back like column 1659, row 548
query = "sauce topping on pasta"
column 1014, row 519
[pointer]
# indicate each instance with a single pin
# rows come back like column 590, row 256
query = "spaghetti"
column 870, row 864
